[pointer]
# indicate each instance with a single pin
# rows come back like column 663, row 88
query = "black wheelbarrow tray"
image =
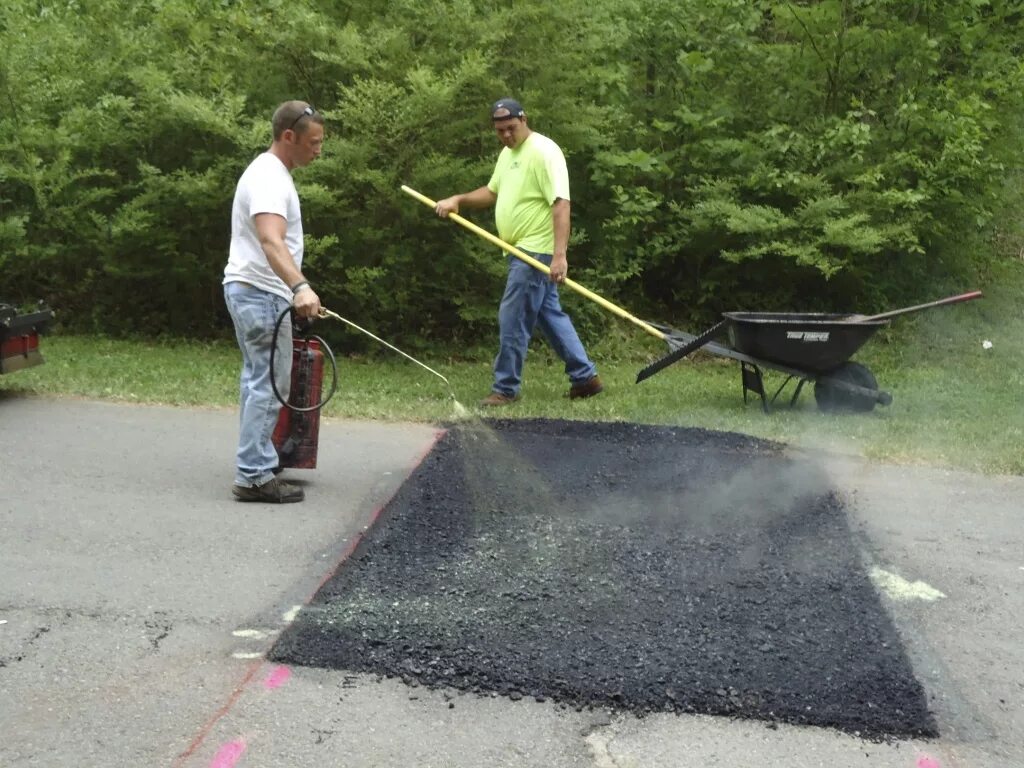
column 808, row 347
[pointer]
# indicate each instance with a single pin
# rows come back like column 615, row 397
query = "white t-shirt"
column 265, row 187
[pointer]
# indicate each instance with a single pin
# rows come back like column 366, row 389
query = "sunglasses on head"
column 307, row 112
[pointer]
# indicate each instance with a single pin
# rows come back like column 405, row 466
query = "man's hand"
column 306, row 302
column 559, row 268
column 446, row 206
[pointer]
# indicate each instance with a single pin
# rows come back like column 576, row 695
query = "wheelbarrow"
column 808, row 347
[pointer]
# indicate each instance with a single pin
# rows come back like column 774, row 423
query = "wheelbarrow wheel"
column 832, row 399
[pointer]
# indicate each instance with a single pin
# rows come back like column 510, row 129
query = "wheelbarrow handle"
column 907, row 310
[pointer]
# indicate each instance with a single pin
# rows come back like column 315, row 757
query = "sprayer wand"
column 324, row 313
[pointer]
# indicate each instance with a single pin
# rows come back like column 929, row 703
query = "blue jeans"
column 531, row 299
column 254, row 313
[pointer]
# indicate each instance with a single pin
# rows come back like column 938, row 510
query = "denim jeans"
column 254, row 313
column 531, row 299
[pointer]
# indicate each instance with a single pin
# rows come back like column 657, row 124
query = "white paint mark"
column 598, row 744
column 254, row 634
column 292, row 614
column 898, row 588
column 4, row 621
column 246, row 655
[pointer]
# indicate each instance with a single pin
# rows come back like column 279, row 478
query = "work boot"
column 496, row 398
column 588, row 388
column 273, row 491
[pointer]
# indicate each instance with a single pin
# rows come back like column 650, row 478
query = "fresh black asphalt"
column 619, row 565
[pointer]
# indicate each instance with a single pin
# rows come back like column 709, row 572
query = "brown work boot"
column 496, row 398
column 588, row 388
column 273, row 491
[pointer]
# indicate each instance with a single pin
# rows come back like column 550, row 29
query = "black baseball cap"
column 515, row 109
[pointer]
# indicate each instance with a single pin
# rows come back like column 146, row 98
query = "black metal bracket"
column 14, row 324
column 753, row 381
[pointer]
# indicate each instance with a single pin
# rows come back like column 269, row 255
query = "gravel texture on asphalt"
column 619, row 565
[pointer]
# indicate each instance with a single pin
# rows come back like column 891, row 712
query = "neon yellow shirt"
column 527, row 181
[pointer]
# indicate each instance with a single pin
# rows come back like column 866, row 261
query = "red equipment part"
column 19, row 352
column 19, row 337
column 297, row 433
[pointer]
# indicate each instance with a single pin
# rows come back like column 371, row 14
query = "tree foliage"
column 724, row 154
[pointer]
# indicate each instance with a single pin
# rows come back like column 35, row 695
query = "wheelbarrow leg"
column 753, row 381
column 796, row 394
column 782, row 387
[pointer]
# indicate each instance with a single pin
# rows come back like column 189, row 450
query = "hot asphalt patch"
column 644, row 568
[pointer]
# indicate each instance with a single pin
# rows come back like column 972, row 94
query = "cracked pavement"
column 137, row 600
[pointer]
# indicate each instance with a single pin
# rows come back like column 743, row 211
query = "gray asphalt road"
column 137, row 599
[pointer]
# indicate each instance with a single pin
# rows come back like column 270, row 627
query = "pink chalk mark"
column 228, row 755
column 927, row 762
column 277, row 677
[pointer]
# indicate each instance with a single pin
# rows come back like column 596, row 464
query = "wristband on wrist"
column 299, row 286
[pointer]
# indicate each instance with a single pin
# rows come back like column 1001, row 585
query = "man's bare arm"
column 560, row 218
column 481, row 197
column 271, row 229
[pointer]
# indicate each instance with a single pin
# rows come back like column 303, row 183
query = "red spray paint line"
column 197, row 742
column 927, row 762
column 278, row 676
column 228, row 755
column 208, row 726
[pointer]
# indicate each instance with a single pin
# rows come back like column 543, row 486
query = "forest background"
column 843, row 155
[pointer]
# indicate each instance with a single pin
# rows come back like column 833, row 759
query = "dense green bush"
column 724, row 154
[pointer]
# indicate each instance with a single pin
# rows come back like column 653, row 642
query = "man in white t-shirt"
column 263, row 277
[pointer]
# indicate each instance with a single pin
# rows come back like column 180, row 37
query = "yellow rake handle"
column 540, row 265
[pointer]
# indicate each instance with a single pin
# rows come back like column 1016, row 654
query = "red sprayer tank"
column 297, row 433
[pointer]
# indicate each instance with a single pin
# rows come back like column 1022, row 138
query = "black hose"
column 327, row 352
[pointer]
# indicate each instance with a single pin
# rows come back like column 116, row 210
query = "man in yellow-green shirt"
column 530, row 192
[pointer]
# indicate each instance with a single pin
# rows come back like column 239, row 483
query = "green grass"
column 955, row 403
